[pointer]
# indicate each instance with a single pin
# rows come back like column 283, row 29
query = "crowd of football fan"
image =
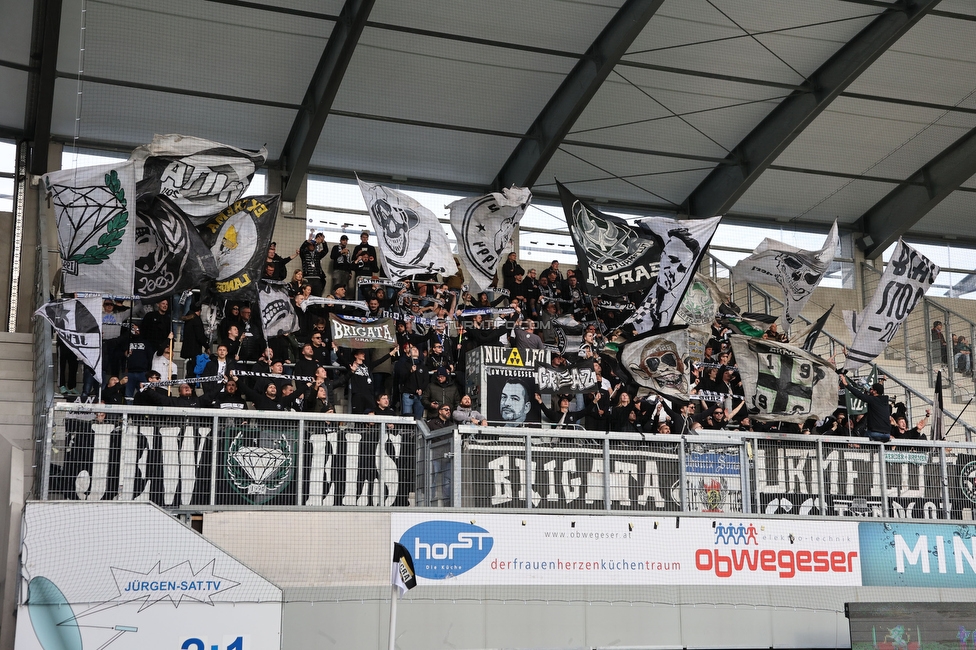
column 424, row 375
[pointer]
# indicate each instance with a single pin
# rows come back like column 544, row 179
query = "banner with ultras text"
column 489, row 549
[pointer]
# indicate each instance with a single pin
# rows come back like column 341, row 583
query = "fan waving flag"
column 483, row 226
column 95, row 212
column 855, row 405
column 615, row 258
column 170, row 255
column 239, row 238
column 410, row 238
column 403, row 577
column 906, row 278
column 78, row 323
column 797, row 272
column 201, row 177
column 685, row 243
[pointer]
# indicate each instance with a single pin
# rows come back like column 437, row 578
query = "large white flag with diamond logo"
column 95, row 212
column 78, row 322
column 410, row 238
column 783, row 382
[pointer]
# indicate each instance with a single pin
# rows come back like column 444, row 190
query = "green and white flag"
column 857, row 406
column 94, row 208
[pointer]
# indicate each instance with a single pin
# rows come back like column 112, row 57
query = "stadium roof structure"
column 781, row 111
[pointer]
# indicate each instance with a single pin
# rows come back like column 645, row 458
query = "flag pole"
column 394, row 593
column 169, row 371
column 958, row 416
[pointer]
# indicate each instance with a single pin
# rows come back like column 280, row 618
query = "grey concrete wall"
column 11, row 511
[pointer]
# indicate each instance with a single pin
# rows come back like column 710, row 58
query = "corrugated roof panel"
column 807, row 197
column 461, row 84
column 15, row 31
column 566, row 25
column 651, row 179
column 198, row 46
column 242, row 125
column 410, row 151
column 934, row 62
column 863, row 137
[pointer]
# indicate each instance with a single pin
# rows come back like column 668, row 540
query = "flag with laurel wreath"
column 94, row 209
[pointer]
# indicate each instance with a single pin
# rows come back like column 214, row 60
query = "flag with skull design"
column 796, row 271
column 410, row 238
column 615, row 258
column 658, row 364
column 277, row 313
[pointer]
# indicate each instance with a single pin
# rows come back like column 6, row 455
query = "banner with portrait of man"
column 511, row 401
column 685, row 243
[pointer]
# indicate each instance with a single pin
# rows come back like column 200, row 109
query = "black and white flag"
column 685, row 243
column 906, row 278
column 239, row 237
column 404, row 577
column 807, row 338
column 797, row 272
column 277, row 313
column 95, row 212
column 484, row 226
column 615, row 258
column 170, row 254
column 201, row 177
column 783, row 382
column 410, row 239
column 657, row 364
column 78, row 323
column 576, row 379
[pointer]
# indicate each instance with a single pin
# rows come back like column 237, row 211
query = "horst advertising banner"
column 489, row 549
column 112, row 575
